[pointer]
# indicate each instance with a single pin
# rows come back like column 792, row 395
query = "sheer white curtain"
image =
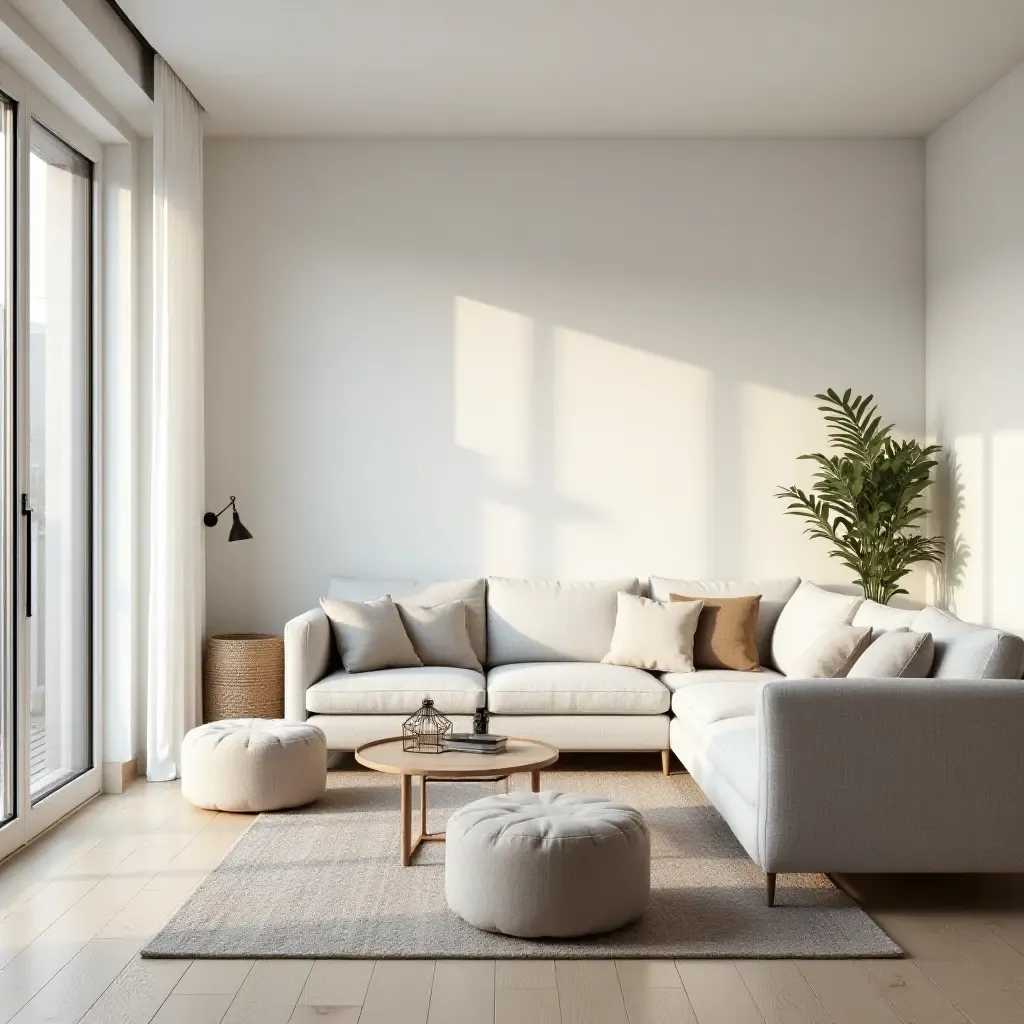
column 177, row 569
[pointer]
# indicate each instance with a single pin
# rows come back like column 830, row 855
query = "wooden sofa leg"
column 666, row 762
column 769, row 888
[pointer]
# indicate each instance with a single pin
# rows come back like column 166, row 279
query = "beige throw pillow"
column 654, row 636
column 896, row 654
column 370, row 634
column 440, row 635
column 833, row 654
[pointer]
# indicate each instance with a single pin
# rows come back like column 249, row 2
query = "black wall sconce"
column 238, row 531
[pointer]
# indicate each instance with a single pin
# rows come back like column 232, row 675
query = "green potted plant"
column 865, row 498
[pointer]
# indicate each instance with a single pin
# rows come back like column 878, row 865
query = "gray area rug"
column 325, row 882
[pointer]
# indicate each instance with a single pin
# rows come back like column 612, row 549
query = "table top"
column 519, row 756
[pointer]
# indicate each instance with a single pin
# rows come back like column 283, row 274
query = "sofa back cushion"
column 423, row 594
column 774, row 595
column 883, row 618
column 551, row 620
column 809, row 614
column 966, row 651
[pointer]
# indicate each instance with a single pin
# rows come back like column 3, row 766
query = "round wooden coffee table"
column 388, row 756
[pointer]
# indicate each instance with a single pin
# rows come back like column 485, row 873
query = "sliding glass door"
column 8, row 521
column 57, row 501
column 48, row 718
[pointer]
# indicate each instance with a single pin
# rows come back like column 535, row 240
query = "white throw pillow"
column 654, row 636
column 809, row 614
column 833, row 654
column 883, row 617
column 896, row 654
column 370, row 634
column 440, row 635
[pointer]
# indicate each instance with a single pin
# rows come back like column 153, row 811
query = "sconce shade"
column 238, row 531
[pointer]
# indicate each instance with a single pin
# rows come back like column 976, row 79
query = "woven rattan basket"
column 243, row 676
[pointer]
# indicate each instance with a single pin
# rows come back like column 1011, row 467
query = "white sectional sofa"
column 811, row 775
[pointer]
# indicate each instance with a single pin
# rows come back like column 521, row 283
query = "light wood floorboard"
column 77, row 905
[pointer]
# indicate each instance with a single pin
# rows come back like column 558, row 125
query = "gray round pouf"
column 547, row 865
column 253, row 764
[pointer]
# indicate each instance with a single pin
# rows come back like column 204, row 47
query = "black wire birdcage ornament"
column 425, row 731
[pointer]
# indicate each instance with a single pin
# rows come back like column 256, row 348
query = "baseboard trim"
column 119, row 775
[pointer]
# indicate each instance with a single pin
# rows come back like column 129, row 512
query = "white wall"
column 540, row 358
column 975, row 353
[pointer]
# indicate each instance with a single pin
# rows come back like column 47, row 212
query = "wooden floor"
column 76, row 907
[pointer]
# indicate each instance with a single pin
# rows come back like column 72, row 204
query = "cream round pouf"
column 552, row 865
column 253, row 764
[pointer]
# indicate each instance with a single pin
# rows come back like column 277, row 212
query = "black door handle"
column 27, row 513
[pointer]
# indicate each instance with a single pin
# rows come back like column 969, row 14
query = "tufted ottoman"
column 547, row 864
column 253, row 764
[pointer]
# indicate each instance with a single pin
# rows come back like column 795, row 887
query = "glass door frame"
column 30, row 820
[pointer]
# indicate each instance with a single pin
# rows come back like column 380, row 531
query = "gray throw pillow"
column 369, row 634
column 832, row 655
column 896, row 654
column 440, row 635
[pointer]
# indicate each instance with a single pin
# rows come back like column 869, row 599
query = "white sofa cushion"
column 574, row 688
column 774, row 595
column 966, row 651
column 551, row 620
column 896, row 654
column 397, row 691
column 883, row 618
column 652, row 635
column 425, row 594
column 713, row 695
column 808, row 614
column 733, row 751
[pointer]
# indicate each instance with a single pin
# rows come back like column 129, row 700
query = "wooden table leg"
column 423, row 805
column 535, row 781
column 406, row 819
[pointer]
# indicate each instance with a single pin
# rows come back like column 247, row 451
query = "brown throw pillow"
column 726, row 632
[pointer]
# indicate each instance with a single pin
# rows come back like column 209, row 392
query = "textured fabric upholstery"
column 711, row 702
column 774, row 595
column 588, row 732
column 966, row 651
column 551, row 620
column 425, row 594
column 253, row 764
column 393, row 691
column 732, row 751
column 346, row 732
column 897, row 653
column 891, row 775
column 547, row 864
column 307, row 656
column 573, row 687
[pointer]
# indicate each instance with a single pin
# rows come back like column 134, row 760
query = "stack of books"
column 476, row 743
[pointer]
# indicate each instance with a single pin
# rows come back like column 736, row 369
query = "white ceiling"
column 584, row 67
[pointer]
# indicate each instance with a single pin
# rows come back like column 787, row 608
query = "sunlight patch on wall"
column 493, row 376
column 493, row 381
column 1006, row 556
column 775, row 428
column 630, row 443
